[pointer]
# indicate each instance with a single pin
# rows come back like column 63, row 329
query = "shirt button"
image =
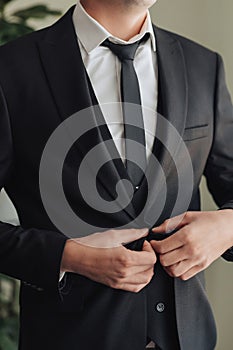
column 160, row 307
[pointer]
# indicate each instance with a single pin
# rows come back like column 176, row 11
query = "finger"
column 130, row 235
column 169, row 244
column 144, row 257
column 173, row 257
column 142, row 277
column 131, row 288
column 147, row 247
column 168, row 272
column 180, row 268
column 112, row 238
column 171, row 224
column 137, row 270
column 138, row 262
column 191, row 273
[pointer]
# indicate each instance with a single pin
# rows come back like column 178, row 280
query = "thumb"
column 130, row 235
column 147, row 247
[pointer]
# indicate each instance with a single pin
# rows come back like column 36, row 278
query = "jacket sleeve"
column 219, row 168
column 30, row 255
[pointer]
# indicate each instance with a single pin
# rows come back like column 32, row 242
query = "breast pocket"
column 196, row 132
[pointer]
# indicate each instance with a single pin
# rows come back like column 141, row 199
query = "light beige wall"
column 207, row 21
column 210, row 23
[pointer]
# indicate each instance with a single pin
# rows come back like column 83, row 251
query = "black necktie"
column 133, row 118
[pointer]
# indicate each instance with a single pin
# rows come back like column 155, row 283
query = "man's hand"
column 202, row 237
column 116, row 266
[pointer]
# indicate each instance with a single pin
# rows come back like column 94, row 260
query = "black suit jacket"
column 43, row 82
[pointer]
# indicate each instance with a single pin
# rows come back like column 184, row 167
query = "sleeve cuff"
column 62, row 274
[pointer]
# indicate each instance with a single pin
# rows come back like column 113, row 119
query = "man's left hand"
column 201, row 238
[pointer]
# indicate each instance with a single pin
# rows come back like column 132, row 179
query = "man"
column 119, row 297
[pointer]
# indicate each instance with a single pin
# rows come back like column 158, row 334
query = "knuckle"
column 163, row 260
column 117, row 281
column 204, row 263
column 137, row 289
column 188, row 215
column 173, row 271
column 114, row 284
column 125, row 260
column 193, row 251
column 187, row 236
column 168, row 271
column 160, row 249
column 176, row 274
column 122, row 273
column 183, row 278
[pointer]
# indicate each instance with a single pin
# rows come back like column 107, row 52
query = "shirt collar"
column 91, row 33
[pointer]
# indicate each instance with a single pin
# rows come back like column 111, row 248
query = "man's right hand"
column 116, row 266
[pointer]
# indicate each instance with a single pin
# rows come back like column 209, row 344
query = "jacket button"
column 160, row 307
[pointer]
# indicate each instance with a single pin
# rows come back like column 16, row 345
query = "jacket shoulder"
column 24, row 50
column 200, row 60
column 22, row 46
column 23, row 43
column 188, row 45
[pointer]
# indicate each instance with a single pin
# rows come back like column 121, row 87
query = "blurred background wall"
column 210, row 23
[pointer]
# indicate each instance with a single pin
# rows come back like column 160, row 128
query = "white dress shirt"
column 103, row 69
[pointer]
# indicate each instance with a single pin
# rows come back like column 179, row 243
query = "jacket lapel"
column 68, row 82
column 173, row 85
column 172, row 112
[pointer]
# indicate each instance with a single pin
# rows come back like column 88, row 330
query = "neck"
column 123, row 22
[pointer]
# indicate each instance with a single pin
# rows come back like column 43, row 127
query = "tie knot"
column 124, row 52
